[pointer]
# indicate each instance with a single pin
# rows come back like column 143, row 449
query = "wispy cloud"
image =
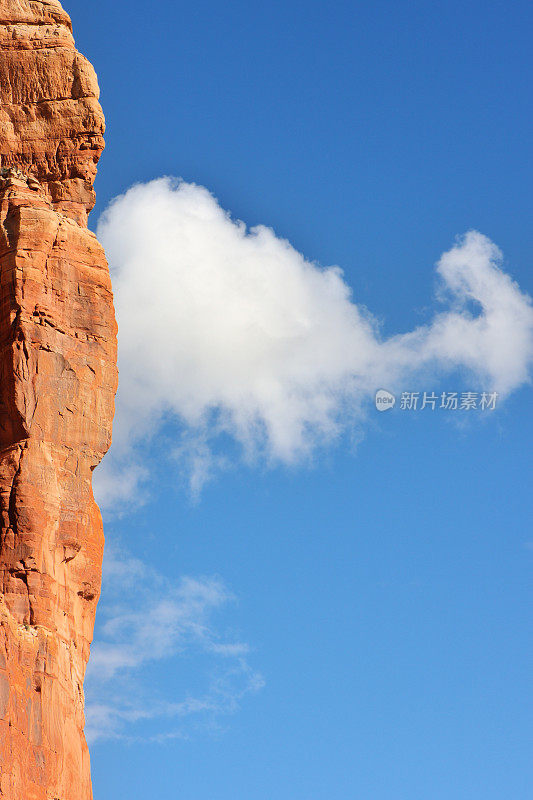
column 145, row 619
column 232, row 332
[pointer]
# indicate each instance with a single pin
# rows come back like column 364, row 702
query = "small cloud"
column 121, row 487
column 145, row 619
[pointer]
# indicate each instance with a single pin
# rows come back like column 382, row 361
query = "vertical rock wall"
column 57, row 385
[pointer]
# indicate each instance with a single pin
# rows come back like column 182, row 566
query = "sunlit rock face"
column 57, row 384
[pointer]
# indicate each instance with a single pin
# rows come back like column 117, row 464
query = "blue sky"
column 351, row 624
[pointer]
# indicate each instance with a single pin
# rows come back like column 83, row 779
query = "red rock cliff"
column 57, row 385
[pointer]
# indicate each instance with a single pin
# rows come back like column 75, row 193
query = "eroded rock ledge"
column 57, row 385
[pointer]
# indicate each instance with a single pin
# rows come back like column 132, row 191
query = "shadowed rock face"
column 57, row 385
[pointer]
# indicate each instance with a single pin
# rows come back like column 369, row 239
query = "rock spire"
column 58, row 379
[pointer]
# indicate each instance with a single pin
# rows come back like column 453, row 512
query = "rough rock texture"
column 57, row 385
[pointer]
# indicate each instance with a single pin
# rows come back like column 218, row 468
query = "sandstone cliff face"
column 57, row 385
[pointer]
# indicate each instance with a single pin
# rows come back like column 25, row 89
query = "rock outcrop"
column 57, row 385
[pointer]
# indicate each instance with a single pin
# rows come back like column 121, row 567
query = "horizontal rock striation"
column 57, row 385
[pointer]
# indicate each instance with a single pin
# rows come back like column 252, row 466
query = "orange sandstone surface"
column 58, row 380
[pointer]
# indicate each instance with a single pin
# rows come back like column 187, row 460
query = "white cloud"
column 144, row 620
column 232, row 331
